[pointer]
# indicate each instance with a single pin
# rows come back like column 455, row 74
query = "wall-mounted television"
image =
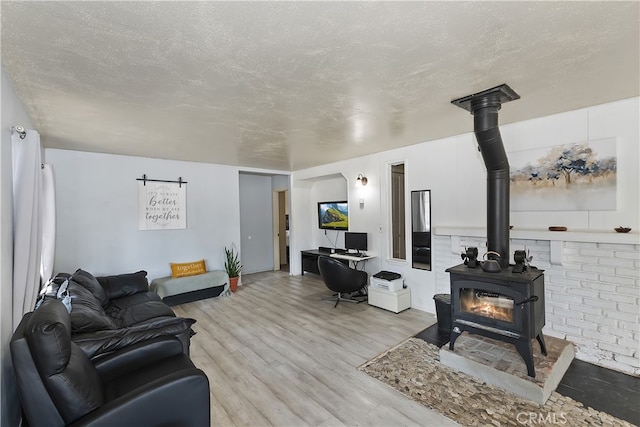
column 333, row 215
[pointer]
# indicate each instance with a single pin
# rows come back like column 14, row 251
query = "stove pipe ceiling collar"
column 485, row 106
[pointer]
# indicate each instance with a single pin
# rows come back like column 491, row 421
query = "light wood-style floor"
column 275, row 354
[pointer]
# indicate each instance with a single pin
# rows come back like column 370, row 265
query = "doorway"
column 281, row 230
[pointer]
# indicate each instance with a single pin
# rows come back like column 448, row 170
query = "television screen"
column 357, row 241
column 333, row 215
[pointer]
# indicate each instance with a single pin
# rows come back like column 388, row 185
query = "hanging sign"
column 161, row 205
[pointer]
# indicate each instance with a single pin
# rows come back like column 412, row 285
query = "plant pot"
column 233, row 283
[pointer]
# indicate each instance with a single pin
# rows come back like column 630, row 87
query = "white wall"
column 616, row 119
column 97, row 214
column 328, row 190
column 280, row 182
column 13, row 114
column 315, row 185
column 453, row 170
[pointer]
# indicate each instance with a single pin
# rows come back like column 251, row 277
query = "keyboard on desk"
column 357, row 255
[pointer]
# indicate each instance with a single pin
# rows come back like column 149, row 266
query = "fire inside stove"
column 487, row 304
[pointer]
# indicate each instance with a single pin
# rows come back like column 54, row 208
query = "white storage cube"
column 392, row 301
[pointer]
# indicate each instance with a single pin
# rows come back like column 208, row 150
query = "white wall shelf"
column 631, row 238
column 556, row 238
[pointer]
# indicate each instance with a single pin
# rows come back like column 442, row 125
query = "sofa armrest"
column 130, row 358
column 178, row 399
column 97, row 343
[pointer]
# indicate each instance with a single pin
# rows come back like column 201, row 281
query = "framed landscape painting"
column 571, row 177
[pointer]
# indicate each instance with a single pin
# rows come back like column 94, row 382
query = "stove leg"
column 526, row 351
column 455, row 333
column 543, row 347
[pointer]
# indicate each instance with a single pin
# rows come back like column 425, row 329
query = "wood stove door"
column 488, row 305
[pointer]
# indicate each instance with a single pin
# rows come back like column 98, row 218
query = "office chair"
column 340, row 278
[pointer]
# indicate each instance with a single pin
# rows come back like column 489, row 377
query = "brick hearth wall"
column 592, row 299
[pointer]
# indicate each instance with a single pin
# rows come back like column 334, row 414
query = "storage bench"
column 392, row 301
column 191, row 288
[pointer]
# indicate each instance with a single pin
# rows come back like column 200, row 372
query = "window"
column 398, row 246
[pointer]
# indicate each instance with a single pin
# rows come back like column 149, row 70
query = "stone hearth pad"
column 499, row 363
column 413, row 368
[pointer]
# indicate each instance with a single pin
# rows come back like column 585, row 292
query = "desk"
column 309, row 260
column 352, row 259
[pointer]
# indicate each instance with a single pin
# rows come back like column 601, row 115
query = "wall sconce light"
column 361, row 181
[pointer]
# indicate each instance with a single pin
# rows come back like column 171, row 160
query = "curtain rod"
column 145, row 179
column 20, row 131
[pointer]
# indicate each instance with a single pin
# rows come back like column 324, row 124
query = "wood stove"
column 492, row 298
column 506, row 306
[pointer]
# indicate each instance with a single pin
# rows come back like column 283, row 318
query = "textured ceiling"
column 289, row 85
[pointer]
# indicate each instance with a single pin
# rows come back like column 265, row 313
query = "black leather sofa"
column 149, row 383
column 112, row 312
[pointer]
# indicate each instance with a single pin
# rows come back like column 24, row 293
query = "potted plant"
column 233, row 267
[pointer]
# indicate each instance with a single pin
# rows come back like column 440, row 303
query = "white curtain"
column 27, row 222
column 48, row 223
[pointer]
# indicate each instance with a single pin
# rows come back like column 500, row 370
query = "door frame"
column 279, row 217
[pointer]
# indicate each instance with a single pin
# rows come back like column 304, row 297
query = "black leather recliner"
column 152, row 383
column 341, row 278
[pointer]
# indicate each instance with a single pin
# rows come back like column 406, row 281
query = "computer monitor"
column 357, row 241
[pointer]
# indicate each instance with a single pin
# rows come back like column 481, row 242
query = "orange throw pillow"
column 187, row 269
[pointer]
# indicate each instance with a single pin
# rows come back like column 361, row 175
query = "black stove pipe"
column 485, row 119
column 485, row 106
